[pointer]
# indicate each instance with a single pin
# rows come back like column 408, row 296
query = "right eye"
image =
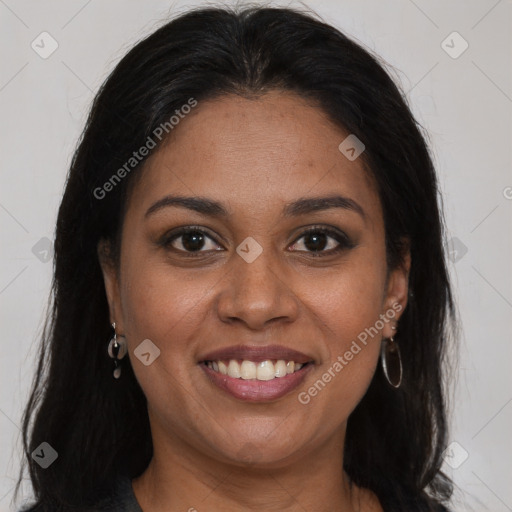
column 189, row 240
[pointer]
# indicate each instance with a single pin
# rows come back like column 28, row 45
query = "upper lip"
column 257, row 353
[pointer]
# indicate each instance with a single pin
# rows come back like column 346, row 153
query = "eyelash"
column 342, row 239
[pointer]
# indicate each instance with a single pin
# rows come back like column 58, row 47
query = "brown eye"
column 190, row 240
column 323, row 240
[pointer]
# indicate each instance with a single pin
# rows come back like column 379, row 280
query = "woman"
column 251, row 303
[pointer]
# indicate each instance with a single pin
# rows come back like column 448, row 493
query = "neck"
column 182, row 478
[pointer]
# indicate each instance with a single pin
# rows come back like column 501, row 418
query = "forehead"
column 254, row 154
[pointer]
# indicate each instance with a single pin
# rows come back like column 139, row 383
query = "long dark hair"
column 99, row 427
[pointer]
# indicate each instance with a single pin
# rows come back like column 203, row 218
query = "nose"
column 257, row 293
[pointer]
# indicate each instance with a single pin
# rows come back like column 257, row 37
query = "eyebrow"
column 301, row 206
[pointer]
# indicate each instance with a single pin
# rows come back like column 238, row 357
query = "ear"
column 397, row 291
column 111, row 281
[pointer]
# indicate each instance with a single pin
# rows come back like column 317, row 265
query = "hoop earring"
column 391, row 362
column 117, row 349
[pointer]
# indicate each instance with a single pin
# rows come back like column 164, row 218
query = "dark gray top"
column 121, row 499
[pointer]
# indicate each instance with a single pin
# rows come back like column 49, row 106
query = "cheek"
column 348, row 311
column 350, row 300
column 160, row 305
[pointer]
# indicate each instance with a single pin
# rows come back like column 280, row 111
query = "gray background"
column 465, row 103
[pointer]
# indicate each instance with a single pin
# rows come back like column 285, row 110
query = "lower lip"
column 257, row 390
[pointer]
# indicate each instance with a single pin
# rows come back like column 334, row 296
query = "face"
column 258, row 270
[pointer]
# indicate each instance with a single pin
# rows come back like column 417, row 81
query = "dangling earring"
column 391, row 361
column 117, row 350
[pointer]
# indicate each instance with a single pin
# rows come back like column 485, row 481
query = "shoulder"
column 119, row 496
column 365, row 499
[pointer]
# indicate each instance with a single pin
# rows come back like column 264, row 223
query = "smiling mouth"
column 256, row 373
column 266, row 370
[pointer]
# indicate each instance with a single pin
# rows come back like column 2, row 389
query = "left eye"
column 316, row 240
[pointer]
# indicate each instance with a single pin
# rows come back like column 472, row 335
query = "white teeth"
column 280, row 368
column 234, row 369
column 249, row 370
column 265, row 370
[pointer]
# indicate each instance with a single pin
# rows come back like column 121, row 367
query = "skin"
column 212, row 451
